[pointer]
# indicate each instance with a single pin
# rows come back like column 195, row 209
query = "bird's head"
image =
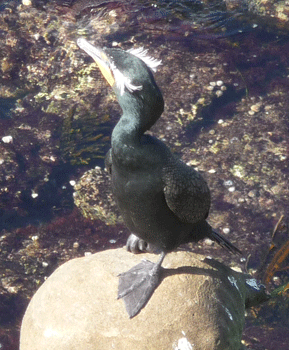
column 130, row 75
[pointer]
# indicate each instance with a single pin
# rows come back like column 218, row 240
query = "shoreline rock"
column 199, row 304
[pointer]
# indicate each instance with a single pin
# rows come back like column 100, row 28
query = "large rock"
column 199, row 305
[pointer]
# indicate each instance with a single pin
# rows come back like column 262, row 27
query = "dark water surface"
column 224, row 77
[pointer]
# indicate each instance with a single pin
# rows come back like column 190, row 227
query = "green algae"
column 84, row 139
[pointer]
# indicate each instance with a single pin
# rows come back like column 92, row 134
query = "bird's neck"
column 127, row 131
column 139, row 115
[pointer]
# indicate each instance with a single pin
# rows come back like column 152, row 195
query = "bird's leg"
column 137, row 245
column 137, row 285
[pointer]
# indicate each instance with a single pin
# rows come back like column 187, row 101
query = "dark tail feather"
column 217, row 237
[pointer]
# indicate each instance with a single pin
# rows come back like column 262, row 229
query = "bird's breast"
column 141, row 201
column 138, row 187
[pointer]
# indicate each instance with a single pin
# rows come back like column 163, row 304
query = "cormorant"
column 163, row 202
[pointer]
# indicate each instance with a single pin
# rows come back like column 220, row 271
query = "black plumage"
column 163, row 202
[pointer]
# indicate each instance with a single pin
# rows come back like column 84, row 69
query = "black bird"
column 163, row 202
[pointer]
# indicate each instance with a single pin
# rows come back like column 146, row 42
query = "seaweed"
column 276, row 262
column 85, row 140
column 277, row 253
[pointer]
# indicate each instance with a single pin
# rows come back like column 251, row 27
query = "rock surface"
column 199, row 305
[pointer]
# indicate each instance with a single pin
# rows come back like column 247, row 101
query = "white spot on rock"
column 237, row 268
column 219, row 93
column 7, row 139
column 26, row 2
column 184, row 344
column 228, row 183
column 208, row 241
column 233, row 281
column 34, row 194
column 253, row 283
column 75, row 245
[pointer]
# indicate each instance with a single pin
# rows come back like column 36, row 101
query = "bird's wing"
column 186, row 192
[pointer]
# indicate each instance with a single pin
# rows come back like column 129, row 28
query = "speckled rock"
column 199, row 305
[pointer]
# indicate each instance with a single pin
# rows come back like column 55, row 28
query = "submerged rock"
column 199, row 304
column 92, row 195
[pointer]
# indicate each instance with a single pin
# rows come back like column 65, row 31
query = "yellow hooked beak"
column 100, row 58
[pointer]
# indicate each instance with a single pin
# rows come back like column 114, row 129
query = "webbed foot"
column 137, row 285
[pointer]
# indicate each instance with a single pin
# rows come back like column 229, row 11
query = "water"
column 224, row 77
